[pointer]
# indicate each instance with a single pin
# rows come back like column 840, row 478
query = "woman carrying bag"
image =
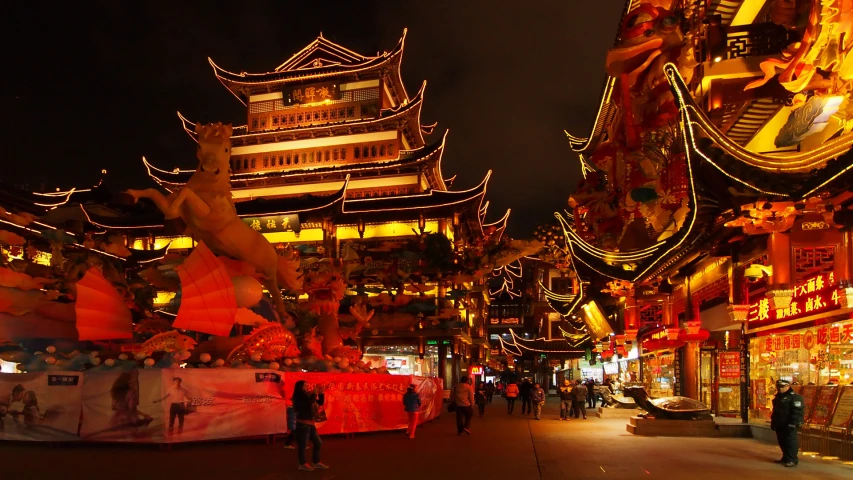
column 309, row 409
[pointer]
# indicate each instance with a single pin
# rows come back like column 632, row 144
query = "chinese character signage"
column 729, row 366
column 816, row 295
column 837, row 333
column 311, row 93
column 279, row 223
column 504, row 321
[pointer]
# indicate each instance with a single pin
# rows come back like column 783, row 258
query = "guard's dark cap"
column 782, row 383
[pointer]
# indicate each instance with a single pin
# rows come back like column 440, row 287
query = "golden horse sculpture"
column 206, row 207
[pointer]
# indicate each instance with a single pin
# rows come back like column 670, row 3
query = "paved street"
column 504, row 447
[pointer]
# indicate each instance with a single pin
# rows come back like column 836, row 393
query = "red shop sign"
column 812, row 296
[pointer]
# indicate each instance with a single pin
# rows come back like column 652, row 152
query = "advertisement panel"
column 120, row 406
column 358, row 403
column 205, row 404
column 40, row 406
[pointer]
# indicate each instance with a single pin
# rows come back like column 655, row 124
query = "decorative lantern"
column 672, row 333
column 619, row 339
column 780, row 297
column 631, row 334
column 605, row 346
column 738, row 313
column 846, row 297
column 361, row 228
column 693, row 327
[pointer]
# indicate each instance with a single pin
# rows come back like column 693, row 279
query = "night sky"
column 95, row 85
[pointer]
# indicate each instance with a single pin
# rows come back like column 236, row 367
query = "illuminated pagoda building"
column 334, row 160
column 716, row 200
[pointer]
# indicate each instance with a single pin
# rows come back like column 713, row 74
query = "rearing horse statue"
column 206, row 207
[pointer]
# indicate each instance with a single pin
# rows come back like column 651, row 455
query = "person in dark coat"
column 590, row 398
column 306, row 404
column 788, row 415
column 579, row 400
column 524, row 393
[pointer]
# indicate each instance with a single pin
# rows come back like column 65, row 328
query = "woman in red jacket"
column 511, row 395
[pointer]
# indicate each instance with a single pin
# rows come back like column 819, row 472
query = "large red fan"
column 100, row 310
column 208, row 304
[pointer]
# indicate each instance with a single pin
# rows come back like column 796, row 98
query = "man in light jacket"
column 463, row 397
column 537, row 399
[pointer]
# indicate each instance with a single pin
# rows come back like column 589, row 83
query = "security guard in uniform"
column 787, row 416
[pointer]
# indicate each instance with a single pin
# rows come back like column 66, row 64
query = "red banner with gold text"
column 357, row 402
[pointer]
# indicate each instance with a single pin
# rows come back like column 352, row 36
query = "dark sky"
column 96, row 84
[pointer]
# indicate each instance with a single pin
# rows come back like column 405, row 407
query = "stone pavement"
column 501, row 447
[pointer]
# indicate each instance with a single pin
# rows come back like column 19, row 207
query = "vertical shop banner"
column 119, row 406
column 206, row 404
column 40, row 406
column 357, row 402
column 823, row 406
column 844, row 409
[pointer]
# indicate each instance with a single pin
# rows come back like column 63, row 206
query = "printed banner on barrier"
column 357, row 402
column 42, row 406
column 431, row 397
column 205, row 404
column 119, row 406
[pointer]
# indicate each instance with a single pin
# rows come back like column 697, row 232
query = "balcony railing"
column 758, row 40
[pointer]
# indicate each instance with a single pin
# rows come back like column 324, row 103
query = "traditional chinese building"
column 334, row 159
column 715, row 205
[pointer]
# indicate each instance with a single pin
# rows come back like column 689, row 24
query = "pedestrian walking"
column 499, row 388
column 787, row 416
column 565, row 400
column 412, row 405
column 463, row 397
column 524, row 392
column 481, row 398
column 590, row 397
column 537, row 398
column 579, row 400
column 307, row 405
column 511, row 393
column 490, row 391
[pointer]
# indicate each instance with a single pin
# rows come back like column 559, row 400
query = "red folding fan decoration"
column 208, row 304
column 100, row 310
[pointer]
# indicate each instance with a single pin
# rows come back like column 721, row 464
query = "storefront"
column 624, row 372
column 819, row 355
column 403, row 360
column 808, row 343
column 660, row 361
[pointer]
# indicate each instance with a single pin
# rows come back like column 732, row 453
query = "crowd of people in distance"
column 575, row 397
